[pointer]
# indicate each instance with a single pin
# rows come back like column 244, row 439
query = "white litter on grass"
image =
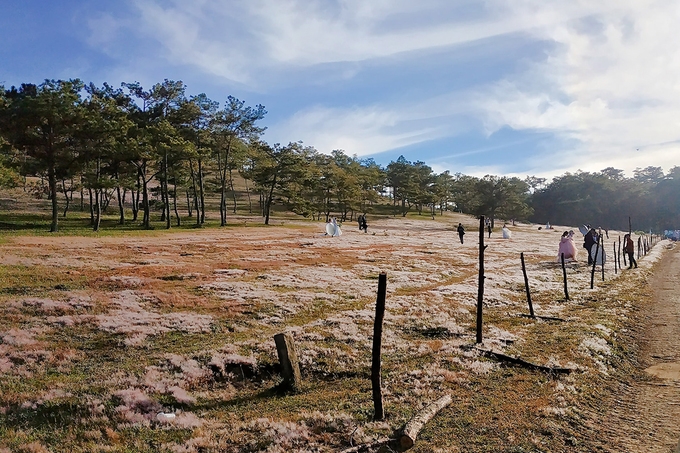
column 165, row 417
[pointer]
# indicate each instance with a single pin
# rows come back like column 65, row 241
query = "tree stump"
column 290, row 369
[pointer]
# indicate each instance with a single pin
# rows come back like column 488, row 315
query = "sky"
column 501, row 87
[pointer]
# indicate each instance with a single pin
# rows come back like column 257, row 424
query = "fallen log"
column 408, row 434
column 517, row 361
column 405, row 438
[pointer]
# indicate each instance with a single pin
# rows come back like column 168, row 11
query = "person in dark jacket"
column 461, row 232
column 362, row 223
column 629, row 248
column 588, row 241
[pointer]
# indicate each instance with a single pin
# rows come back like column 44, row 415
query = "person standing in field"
column 566, row 247
column 363, row 225
column 461, row 232
column 629, row 248
column 588, row 241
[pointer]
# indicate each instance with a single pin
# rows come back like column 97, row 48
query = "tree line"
column 160, row 151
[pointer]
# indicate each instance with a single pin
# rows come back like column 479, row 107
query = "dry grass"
column 99, row 334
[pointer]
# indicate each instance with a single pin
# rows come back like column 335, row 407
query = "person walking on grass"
column 461, row 232
column 629, row 248
column 363, row 225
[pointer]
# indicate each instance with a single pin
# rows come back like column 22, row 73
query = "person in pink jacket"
column 567, row 247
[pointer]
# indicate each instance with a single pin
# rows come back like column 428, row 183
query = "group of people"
column 506, row 232
column 568, row 248
column 333, row 229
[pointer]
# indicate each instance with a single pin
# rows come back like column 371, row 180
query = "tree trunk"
column 194, row 177
column 68, row 202
column 222, row 169
column 202, row 191
column 52, row 179
column 146, row 220
column 166, row 192
column 233, row 192
column 161, row 193
column 223, row 204
column 121, row 208
column 89, row 191
column 106, row 199
column 135, row 199
column 189, row 210
column 268, row 203
column 98, row 199
column 174, row 202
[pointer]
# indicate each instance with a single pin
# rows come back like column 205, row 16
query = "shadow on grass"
column 80, row 224
column 51, row 415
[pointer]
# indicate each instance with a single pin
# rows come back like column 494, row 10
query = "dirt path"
column 647, row 415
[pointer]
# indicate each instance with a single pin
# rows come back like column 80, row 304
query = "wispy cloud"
column 237, row 40
column 601, row 77
column 361, row 131
column 610, row 84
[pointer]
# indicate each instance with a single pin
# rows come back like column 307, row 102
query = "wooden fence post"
column 290, row 369
column 625, row 261
column 616, row 270
column 592, row 272
column 379, row 411
column 480, row 282
column 564, row 275
column 526, row 284
column 603, row 256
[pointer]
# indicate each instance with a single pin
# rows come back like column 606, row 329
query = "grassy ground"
column 100, row 332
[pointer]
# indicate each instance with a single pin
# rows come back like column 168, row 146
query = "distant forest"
column 159, row 151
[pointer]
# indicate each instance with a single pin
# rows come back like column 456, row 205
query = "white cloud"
column 360, row 131
column 606, row 85
column 237, row 40
column 612, row 85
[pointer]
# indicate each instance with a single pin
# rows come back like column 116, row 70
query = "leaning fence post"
column 480, row 282
column 290, row 369
column 564, row 275
column 379, row 411
column 526, row 285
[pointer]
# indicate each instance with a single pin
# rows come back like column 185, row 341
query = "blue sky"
column 503, row 87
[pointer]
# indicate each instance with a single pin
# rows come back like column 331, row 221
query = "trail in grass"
column 646, row 416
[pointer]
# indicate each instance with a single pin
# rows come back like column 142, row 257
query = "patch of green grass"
column 37, row 280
